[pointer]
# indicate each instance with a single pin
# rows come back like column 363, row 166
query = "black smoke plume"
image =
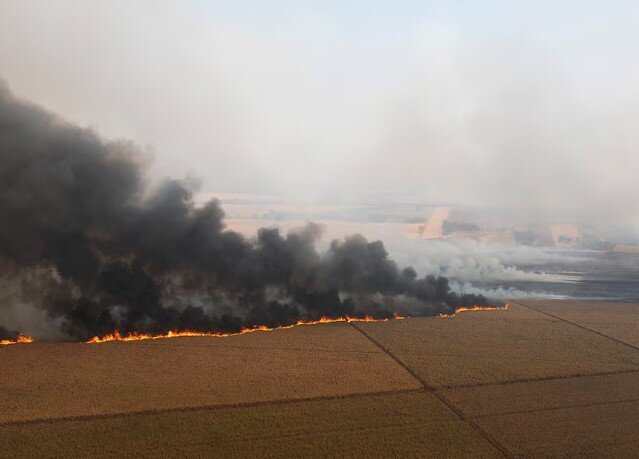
column 9, row 335
column 83, row 233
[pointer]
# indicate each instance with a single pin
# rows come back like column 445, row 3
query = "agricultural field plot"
column 617, row 320
column 48, row 380
column 546, row 395
column 407, row 424
column 510, row 382
column 608, row 430
column 590, row 416
column 498, row 346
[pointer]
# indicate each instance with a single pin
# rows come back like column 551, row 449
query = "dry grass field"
column 508, row 383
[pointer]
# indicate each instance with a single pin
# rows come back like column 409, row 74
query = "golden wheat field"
column 499, row 346
column 515, row 382
column 617, row 320
column 45, row 380
column 607, row 430
column 407, row 424
column 486, row 400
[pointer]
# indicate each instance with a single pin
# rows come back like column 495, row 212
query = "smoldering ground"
column 84, row 237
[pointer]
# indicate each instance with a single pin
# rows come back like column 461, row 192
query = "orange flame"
column 21, row 339
column 474, row 308
column 116, row 336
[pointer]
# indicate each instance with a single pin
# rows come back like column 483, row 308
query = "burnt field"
column 540, row 378
column 582, row 275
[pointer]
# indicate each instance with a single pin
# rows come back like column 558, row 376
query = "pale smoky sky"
column 525, row 104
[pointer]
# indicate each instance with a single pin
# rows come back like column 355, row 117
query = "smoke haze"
column 530, row 108
column 526, row 106
column 84, row 238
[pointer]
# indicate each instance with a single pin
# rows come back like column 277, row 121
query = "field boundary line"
column 331, row 432
column 555, row 408
column 187, row 409
column 430, row 389
column 577, row 325
column 227, row 346
column 539, row 379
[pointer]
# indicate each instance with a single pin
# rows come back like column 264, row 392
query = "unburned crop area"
column 410, row 424
column 617, row 320
column 498, row 346
column 608, row 430
column 594, row 415
column 50, row 380
column 545, row 395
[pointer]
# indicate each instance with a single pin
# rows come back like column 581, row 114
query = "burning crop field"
column 118, row 267
column 86, row 239
column 462, row 384
column 151, row 327
column 7, row 338
column 318, row 229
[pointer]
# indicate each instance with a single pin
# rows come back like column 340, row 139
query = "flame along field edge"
column 20, row 340
column 116, row 336
column 474, row 309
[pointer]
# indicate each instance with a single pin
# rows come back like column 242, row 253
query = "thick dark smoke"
column 8, row 334
column 90, row 243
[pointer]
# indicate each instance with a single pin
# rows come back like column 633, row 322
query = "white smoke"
column 466, row 260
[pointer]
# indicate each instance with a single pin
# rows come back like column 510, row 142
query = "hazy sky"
column 499, row 103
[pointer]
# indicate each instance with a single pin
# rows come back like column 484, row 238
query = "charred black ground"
column 86, row 239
